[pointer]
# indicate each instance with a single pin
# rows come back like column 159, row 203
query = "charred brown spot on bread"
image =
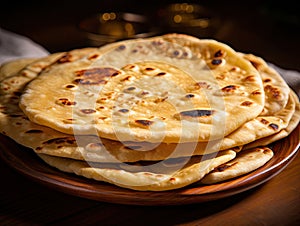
column 38, row 148
column 266, row 150
column 70, row 86
column 94, row 56
column 267, row 80
column 256, row 92
column 144, row 93
column 65, row 58
column 127, row 78
column 256, row 64
column 275, row 92
column 219, row 53
column 172, row 179
column 247, row 103
column 68, row 140
column 149, row 69
column 221, row 77
column 94, row 76
column 121, row 47
column 264, row 121
column 88, row 111
column 161, row 74
column 250, row 78
column 229, row 88
column 65, row 102
column 34, row 131
column 116, row 73
column 274, row 126
column 123, row 110
column 129, row 89
column 197, row 113
column 189, row 96
column 235, row 69
column 224, row 167
column 216, row 61
column 160, row 100
column 144, row 122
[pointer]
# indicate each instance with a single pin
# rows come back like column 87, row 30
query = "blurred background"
column 269, row 29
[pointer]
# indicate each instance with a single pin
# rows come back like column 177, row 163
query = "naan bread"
column 155, row 177
column 157, row 91
column 245, row 162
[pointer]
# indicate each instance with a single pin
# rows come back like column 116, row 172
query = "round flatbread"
column 12, row 67
column 17, row 82
column 276, row 89
column 152, row 177
column 245, row 162
column 92, row 148
column 149, row 90
column 282, row 133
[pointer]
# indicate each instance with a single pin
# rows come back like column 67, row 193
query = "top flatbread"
column 148, row 90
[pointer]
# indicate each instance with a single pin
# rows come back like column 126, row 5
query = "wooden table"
column 277, row 202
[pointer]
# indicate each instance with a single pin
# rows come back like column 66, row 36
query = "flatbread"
column 276, row 89
column 294, row 122
column 156, row 177
column 12, row 67
column 92, row 148
column 245, row 162
column 12, row 83
column 177, row 76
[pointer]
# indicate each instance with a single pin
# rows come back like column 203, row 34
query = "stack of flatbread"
column 149, row 114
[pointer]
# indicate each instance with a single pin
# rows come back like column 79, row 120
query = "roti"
column 276, row 89
column 284, row 132
column 17, row 82
column 166, row 93
column 12, row 67
column 245, row 162
column 131, row 97
column 92, row 148
column 154, row 177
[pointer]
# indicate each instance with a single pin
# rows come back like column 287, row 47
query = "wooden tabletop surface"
column 267, row 30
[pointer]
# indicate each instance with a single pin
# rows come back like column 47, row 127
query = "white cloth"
column 14, row 46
